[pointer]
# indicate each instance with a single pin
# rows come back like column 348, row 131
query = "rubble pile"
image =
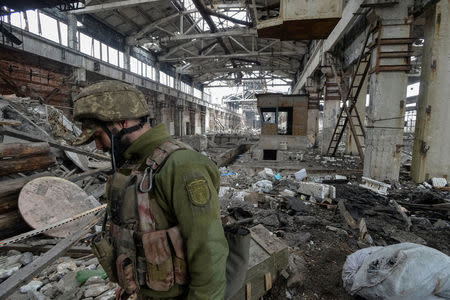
column 37, row 144
column 66, row 278
column 325, row 218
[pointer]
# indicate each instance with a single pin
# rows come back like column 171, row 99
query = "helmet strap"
column 128, row 130
column 117, row 146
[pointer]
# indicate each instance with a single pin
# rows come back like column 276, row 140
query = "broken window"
column 32, row 17
column 150, row 72
column 197, row 93
column 17, row 20
column 104, row 52
column 268, row 117
column 285, row 116
column 49, row 27
column 96, row 49
column 85, row 44
column 133, row 64
column 63, row 29
column 121, row 60
column 113, row 56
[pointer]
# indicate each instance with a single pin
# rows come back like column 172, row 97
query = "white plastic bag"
column 402, row 271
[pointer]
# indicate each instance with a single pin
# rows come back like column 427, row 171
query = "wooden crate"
column 268, row 256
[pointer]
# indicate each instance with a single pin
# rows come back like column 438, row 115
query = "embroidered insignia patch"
column 198, row 192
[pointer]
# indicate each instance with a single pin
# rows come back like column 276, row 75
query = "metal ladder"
column 349, row 115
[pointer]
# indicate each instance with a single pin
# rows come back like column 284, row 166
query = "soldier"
column 165, row 238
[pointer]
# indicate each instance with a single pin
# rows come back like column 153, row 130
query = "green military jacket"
column 195, row 211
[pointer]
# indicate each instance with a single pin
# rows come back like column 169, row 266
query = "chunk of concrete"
column 438, row 182
column 33, row 285
column 317, row 190
column 8, row 271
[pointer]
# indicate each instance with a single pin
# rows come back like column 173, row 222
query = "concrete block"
column 317, row 190
column 376, row 186
column 438, row 182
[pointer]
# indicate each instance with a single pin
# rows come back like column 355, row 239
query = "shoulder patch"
column 198, row 191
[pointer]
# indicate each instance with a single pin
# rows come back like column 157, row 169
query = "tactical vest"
column 139, row 249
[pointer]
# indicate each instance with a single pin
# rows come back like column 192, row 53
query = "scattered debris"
column 438, row 182
column 376, row 186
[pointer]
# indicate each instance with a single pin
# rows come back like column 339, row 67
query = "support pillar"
column 157, row 69
column 179, row 118
column 192, row 119
column 330, row 115
column 203, row 119
column 313, row 89
column 384, row 135
column 126, row 57
column 431, row 144
column 72, row 32
column 350, row 148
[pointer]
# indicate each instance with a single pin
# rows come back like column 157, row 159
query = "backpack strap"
column 154, row 163
column 162, row 153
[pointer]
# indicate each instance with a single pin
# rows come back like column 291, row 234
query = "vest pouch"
column 122, row 199
column 104, row 251
column 179, row 259
column 126, row 259
column 160, row 275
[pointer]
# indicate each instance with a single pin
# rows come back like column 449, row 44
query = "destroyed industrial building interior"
column 326, row 119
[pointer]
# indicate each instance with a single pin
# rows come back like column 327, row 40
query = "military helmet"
column 110, row 100
column 107, row 101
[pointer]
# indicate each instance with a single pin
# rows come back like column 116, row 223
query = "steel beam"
column 108, row 6
column 234, row 55
column 135, row 38
column 210, row 35
column 243, row 69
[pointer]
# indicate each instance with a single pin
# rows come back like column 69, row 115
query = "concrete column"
column 431, row 144
column 177, row 81
column 179, row 118
column 330, row 115
column 157, row 68
column 126, row 57
column 351, row 148
column 384, row 135
column 72, row 32
column 313, row 125
column 202, row 119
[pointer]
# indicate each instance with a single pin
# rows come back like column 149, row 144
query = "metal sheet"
column 47, row 200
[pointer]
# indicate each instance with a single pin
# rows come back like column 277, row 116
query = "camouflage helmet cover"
column 110, row 100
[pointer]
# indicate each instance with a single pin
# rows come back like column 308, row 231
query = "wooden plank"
column 13, row 186
column 268, row 281
column 20, row 150
column 24, row 274
column 12, row 166
column 25, row 136
column 75, row 251
column 248, row 291
column 267, row 241
column 403, row 214
column 10, row 122
column 11, row 223
column 346, row 215
column 8, row 203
